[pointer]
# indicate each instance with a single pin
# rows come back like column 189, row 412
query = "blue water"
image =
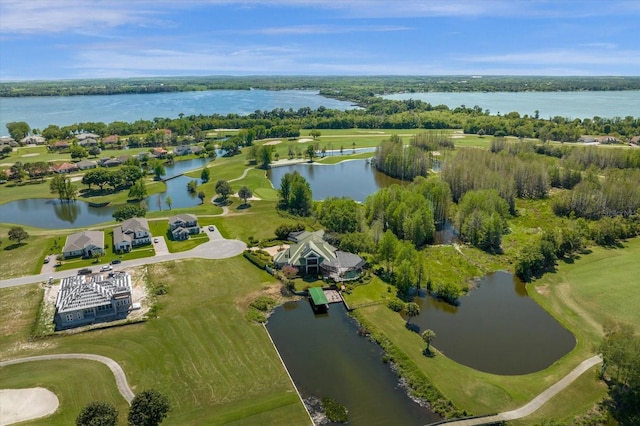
column 549, row 104
column 39, row 112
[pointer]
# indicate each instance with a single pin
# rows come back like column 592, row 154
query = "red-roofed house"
column 64, row 168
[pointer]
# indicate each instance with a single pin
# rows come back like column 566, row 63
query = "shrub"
column 395, row 305
column 259, row 258
column 263, row 303
column 335, row 412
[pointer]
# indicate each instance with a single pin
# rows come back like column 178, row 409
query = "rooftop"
column 89, row 291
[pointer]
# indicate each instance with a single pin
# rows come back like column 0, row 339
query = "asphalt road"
column 216, row 248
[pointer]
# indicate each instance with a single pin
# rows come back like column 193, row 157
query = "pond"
column 355, row 179
column 38, row 212
column 497, row 328
column 327, row 358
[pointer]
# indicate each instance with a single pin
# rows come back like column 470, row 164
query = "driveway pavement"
column 216, row 248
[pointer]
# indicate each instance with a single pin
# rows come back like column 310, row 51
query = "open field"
column 214, row 365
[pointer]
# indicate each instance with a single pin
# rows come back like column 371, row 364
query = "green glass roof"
column 318, row 296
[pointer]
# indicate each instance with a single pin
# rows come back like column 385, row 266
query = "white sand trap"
column 6, row 164
column 18, row 405
column 272, row 142
column 305, row 140
column 371, row 133
column 30, row 155
column 252, row 198
column 457, row 137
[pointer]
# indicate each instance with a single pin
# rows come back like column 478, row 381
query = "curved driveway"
column 118, row 372
column 535, row 403
column 216, row 248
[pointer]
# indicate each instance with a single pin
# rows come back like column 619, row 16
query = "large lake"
column 39, row 112
column 549, row 104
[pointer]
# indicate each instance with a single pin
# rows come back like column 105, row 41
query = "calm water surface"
column 549, row 104
column 496, row 328
column 354, row 178
column 327, row 358
column 53, row 214
column 39, row 112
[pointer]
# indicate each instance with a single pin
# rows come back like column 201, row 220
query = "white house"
column 85, row 244
column 131, row 233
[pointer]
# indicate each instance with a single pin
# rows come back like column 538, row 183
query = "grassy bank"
column 214, row 365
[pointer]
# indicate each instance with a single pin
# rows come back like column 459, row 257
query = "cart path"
column 118, row 372
column 536, row 402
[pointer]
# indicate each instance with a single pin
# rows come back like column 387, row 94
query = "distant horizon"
column 50, row 40
column 144, row 77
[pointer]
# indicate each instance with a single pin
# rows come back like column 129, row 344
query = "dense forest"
column 354, row 89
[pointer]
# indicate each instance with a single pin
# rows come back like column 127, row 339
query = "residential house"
column 86, row 164
column 311, row 254
column 607, row 139
column 33, row 140
column 84, row 243
column 182, row 150
column 60, row 146
column 8, row 140
column 183, row 225
column 110, row 140
column 111, row 162
column 197, row 149
column 587, row 139
column 88, row 142
column 131, row 233
column 635, row 140
column 89, row 299
column 64, row 168
column 85, row 136
column 159, row 152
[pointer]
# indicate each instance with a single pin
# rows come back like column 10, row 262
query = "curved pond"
column 327, row 358
column 355, row 179
column 496, row 328
column 53, row 214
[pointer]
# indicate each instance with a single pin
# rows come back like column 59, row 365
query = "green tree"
column 139, row 190
column 168, row 201
column 78, row 152
column 411, row 310
column 315, row 134
column 428, row 336
column 148, row 408
column 224, row 189
column 18, row 129
column 205, row 175
column 201, row 196
column 18, row 234
column 63, row 187
column 192, row 186
column 128, row 211
column 245, row 193
column 387, row 248
column 311, row 152
column 94, row 151
column 98, row 413
column 158, row 168
column 264, row 155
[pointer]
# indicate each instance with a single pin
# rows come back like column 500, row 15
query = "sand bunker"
column 457, row 137
column 30, row 155
column 305, row 140
column 272, row 142
column 18, row 405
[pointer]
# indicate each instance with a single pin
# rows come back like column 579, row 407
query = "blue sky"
column 60, row 39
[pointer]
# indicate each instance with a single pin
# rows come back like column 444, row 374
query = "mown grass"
column 76, row 383
column 214, row 365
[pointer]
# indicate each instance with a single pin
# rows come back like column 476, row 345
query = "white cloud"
column 327, row 29
column 55, row 16
column 565, row 57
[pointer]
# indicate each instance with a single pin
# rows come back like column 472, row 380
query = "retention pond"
column 327, row 358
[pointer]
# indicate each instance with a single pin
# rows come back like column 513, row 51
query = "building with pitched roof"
column 183, row 225
column 88, row 299
column 131, row 233
column 84, row 243
column 311, row 254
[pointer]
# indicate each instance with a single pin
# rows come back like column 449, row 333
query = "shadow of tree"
column 15, row 246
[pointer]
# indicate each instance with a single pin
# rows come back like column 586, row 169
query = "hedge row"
column 258, row 257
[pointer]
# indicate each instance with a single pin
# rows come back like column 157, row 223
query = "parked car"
column 116, row 261
column 211, row 228
column 106, row 268
column 155, row 240
column 46, row 260
column 84, row 271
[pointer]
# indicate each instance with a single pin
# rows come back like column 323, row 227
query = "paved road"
column 216, row 248
column 536, row 402
column 118, row 372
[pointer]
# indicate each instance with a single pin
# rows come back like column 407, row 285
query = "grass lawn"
column 214, row 365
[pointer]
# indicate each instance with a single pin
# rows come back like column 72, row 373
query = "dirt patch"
column 272, row 143
column 18, row 405
column 543, row 290
column 305, row 140
column 273, row 250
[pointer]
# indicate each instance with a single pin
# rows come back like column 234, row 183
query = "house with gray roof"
column 84, row 243
column 131, row 233
column 86, row 164
column 311, row 254
column 89, row 299
column 183, row 225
